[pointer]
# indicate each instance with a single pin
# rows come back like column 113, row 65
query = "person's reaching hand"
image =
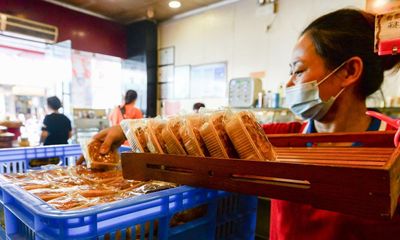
column 110, row 137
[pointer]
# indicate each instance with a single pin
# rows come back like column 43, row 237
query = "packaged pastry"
column 91, row 191
column 69, row 202
column 248, row 137
column 155, row 142
column 215, row 137
column 93, row 157
column 96, row 176
column 135, row 131
column 190, row 135
column 33, row 184
column 154, row 186
column 47, row 194
column 62, row 178
column 172, row 138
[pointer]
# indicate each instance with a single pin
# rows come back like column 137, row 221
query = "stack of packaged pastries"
column 99, row 182
column 73, row 188
column 219, row 134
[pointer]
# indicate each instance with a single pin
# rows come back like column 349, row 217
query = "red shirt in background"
column 131, row 112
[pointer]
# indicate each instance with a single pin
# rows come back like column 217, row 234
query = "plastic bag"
column 248, row 137
column 135, row 130
column 189, row 132
column 172, row 138
column 154, row 186
column 216, row 138
column 155, row 141
column 69, row 202
column 47, row 194
column 93, row 157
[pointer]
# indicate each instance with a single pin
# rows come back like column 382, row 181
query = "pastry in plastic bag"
column 172, row 138
column 154, row 186
column 33, row 184
column 93, row 157
column 69, row 202
column 135, row 131
column 155, row 141
column 47, row 194
column 96, row 176
column 248, row 137
column 215, row 137
column 91, row 191
column 190, row 135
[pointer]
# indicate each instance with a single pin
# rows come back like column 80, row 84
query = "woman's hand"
column 110, row 137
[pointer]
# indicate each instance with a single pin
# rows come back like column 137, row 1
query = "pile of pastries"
column 72, row 188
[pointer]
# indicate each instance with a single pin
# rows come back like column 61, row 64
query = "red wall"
column 86, row 32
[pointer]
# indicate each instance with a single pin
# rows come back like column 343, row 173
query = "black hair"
column 198, row 105
column 130, row 96
column 345, row 33
column 54, row 103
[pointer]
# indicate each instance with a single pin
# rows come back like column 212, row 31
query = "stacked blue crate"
column 227, row 216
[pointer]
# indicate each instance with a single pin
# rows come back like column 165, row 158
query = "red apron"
column 293, row 221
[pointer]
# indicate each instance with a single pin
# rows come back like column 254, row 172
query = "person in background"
column 56, row 126
column 126, row 111
column 197, row 106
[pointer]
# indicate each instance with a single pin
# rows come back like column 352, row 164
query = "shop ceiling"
column 128, row 11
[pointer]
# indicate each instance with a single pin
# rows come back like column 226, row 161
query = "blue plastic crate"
column 227, row 215
column 16, row 160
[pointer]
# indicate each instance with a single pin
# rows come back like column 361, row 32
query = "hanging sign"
column 387, row 33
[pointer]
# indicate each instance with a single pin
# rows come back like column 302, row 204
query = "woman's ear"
column 352, row 71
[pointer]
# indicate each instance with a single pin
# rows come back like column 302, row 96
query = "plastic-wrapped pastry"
column 215, row 137
column 93, row 157
column 135, row 131
column 154, row 186
column 190, row 135
column 69, row 202
column 172, row 138
column 248, row 137
column 47, row 194
column 33, row 184
column 155, row 141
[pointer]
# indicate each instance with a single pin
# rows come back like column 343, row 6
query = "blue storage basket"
column 227, row 215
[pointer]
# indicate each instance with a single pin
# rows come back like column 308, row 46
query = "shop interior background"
column 90, row 68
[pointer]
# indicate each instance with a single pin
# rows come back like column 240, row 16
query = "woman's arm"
column 43, row 136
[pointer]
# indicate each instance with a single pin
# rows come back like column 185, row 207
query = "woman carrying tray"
column 333, row 70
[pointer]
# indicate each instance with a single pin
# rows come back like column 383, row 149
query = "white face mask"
column 304, row 99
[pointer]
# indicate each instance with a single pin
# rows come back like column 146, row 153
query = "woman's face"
column 306, row 65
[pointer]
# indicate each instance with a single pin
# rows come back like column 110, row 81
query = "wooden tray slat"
column 336, row 163
column 348, row 150
column 369, row 139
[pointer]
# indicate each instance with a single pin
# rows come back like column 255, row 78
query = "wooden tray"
column 361, row 181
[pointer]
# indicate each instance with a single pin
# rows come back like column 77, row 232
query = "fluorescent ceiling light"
column 174, row 4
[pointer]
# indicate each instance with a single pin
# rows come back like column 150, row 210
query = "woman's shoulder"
column 133, row 112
